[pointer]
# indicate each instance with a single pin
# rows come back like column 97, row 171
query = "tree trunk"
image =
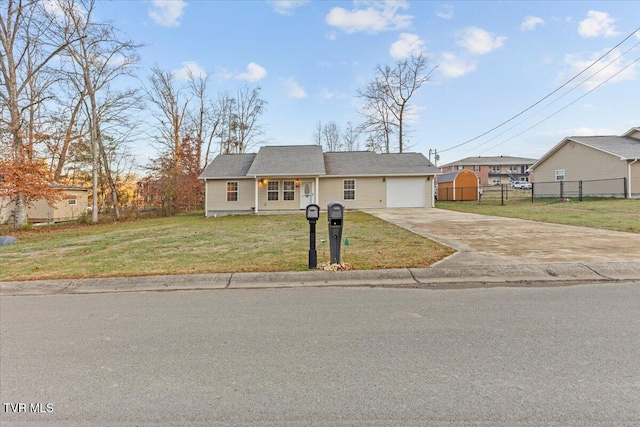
column 107, row 170
column 20, row 216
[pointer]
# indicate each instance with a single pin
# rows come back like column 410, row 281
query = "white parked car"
column 521, row 185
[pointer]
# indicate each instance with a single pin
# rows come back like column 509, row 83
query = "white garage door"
column 406, row 192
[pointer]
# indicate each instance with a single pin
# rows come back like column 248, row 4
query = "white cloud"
column 167, row 12
column 577, row 63
column 530, row 23
column 379, row 16
column 286, row 7
column 294, row 90
column 406, row 45
column 326, row 94
column 254, row 73
column 332, row 35
column 445, row 11
column 479, row 42
column 597, row 24
column 189, row 68
column 224, row 74
column 452, row 66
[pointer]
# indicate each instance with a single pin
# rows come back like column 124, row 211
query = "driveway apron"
column 491, row 240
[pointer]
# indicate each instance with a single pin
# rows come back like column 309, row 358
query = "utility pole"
column 435, row 156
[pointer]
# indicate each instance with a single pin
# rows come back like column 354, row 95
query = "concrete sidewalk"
column 438, row 277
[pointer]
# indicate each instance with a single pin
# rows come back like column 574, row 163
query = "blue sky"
column 494, row 59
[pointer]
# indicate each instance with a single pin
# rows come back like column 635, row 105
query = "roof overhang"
column 378, row 175
column 268, row 175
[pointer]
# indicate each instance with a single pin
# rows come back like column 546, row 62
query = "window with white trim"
column 71, row 202
column 560, row 175
column 232, row 191
column 273, row 191
column 349, row 187
column 288, row 190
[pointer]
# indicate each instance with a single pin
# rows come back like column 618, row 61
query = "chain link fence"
column 540, row 191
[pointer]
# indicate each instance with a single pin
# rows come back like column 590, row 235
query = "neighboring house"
column 458, row 185
column 608, row 163
column 494, row 170
column 71, row 206
column 281, row 178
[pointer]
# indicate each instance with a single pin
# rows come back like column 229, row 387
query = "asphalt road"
column 324, row 356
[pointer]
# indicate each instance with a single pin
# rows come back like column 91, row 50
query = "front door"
column 306, row 193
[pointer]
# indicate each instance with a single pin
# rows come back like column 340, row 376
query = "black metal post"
column 580, row 190
column 313, row 254
column 532, row 184
column 502, row 194
column 562, row 189
column 626, row 193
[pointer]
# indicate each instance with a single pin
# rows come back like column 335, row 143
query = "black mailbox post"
column 313, row 213
column 335, row 214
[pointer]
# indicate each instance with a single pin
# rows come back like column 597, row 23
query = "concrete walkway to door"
column 491, row 240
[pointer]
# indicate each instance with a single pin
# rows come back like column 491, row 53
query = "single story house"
column 71, row 206
column 458, row 185
column 606, row 165
column 281, row 178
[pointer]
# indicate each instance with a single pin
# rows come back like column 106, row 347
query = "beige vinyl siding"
column 280, row 204
column 370, row 192
column 217, row 195
column 62, row 210
column 580, row 163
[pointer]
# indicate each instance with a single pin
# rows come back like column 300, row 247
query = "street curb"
column 506, row 273
column 404, row 277
column 117, row 284
column 400, row 276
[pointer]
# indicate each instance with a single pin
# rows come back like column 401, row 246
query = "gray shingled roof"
column 491, row 161
column 625, row 147
column 367, row 163
column 308, row 160
column 228, row 166
column 288, row 160
column 447, row 177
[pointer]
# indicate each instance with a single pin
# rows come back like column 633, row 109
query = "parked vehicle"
column 521, row 185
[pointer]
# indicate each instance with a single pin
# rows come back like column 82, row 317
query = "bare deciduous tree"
column 328, row 136
column 351, row 138
column 98, row 58
column 386, row 98
column 29, row 43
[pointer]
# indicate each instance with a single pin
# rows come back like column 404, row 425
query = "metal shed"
column 458, row 185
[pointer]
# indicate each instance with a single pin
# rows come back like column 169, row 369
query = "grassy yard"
column 608, row 214
column 192, row 244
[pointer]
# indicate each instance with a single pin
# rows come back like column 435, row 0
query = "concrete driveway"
column 482, row 239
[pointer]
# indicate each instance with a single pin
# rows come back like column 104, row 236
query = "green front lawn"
column 190, row 243
column 608, row 214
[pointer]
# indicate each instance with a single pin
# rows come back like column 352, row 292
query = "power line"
column 559, row 98
column 563, row 108
column 547, row 96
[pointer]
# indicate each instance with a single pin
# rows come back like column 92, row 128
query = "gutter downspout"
column 629, row 178
column 317, row 190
